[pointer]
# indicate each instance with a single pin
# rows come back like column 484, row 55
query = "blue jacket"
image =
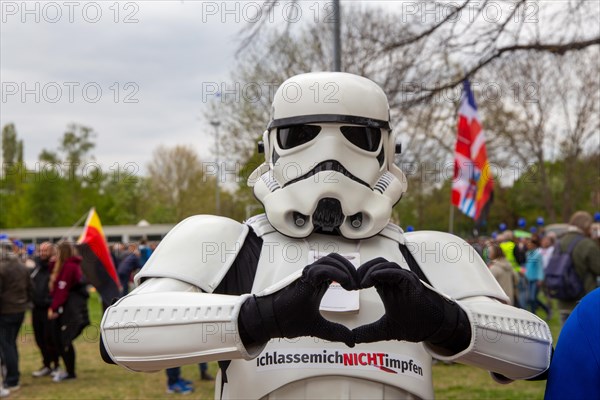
column 575, row 368
column 128, row 264
column 534, row 266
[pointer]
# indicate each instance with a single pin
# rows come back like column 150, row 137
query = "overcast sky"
column 138, row 73
column 149, row 59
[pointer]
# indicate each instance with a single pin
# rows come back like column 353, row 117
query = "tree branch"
column 556, row 48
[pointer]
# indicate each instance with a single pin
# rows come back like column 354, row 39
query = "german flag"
column 97, row 264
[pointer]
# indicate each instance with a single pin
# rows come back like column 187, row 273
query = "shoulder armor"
column 393, row 232
column 199, row 251
column 260, row 225
column 452, row 265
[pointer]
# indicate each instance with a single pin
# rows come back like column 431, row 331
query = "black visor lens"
column 295, row 135
column 362, row 136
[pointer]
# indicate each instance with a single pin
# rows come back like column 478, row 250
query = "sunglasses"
column 363, row 137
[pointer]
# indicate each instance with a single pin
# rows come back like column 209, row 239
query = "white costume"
column 328, row 185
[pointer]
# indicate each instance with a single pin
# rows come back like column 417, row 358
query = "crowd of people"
column 519, row 264
column 51, row 285
column 48, row 280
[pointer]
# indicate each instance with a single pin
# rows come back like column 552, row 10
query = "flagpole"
column 76, row 224
column 451, row 222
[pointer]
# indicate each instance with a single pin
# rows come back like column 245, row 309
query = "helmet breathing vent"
column 383, row 182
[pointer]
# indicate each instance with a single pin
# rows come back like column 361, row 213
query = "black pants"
column 43, row 337
column 9, row 330
column 63, row 345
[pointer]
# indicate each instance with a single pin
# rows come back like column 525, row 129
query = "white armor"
column 175, row 317
column 167, row 321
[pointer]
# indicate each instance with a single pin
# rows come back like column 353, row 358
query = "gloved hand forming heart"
column 413, row 312
column 294, row 310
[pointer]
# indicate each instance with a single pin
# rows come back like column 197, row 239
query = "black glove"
column 412, row 311
column 294, row 310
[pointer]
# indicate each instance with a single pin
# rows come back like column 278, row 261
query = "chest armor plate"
column 313, row 368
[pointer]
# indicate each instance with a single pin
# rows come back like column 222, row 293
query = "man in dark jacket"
column 39, row 314
column 129, row 263
column 15, row 299
column 585, row 256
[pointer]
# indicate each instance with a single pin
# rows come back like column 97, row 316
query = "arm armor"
column 173, row 318
column 166, row 323
column 504, row 339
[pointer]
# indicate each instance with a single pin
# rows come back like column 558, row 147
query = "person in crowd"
column 19, row 249
column 15, row 299
column 204, row 375
column 575, row 368
column 176, row 384
column 585, row 256
column 30, row 256
column 476, row 244
column 117, row 252
column 507, row 244
column 534, row 272
column 502, row 270
column 546, row 250
column 129, row 263
column 145, row 252
column 40, row 277
column 520, row 251
column 595, row 229
column 65, row 286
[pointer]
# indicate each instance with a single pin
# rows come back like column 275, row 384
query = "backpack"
column 561, row 279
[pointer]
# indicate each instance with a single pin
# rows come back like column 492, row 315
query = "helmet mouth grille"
column 328, row 217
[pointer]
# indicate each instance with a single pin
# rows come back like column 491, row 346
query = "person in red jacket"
column 66, row 275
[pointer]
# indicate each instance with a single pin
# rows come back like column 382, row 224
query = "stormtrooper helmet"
column 329, row 158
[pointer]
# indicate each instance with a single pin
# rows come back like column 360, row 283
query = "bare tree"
column 579, row 117
column 549, row 111
column 469, row 33
column 178, row 184
column 480, row 32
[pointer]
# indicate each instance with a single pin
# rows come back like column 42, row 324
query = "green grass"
column 97, row 380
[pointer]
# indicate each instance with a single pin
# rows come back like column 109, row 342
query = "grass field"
column 97, row 380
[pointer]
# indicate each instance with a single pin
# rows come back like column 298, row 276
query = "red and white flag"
column 473, row 184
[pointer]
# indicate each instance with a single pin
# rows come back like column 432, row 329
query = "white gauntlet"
column 507, row 340
column 150, row 331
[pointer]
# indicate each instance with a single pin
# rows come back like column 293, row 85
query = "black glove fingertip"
column 341, row 262
column 390, row 273
column 366, row 267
